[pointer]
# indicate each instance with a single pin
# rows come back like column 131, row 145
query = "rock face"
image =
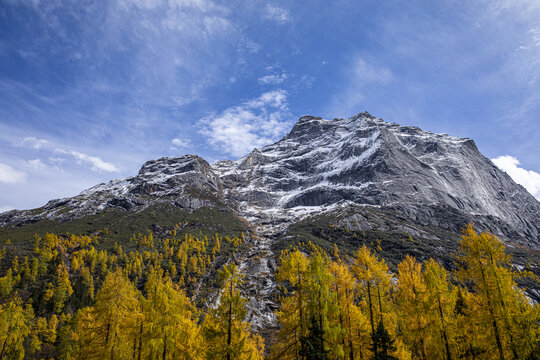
column 432, row 179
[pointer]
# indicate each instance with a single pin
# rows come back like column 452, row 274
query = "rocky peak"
column 174, row 165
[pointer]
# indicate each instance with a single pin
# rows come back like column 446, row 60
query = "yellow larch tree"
column 504, row 312
column 170, row 327
column 227, row 335
column 109, row 329
column 374, row 287
column 14, row 328
column 292, row 315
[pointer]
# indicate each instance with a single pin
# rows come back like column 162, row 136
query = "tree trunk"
column 448, row 355
column 135, row 348
column 300, row 303
column 164, row 348
column 380, row 303
column 506, row 321
column 140, row 340
column 371, row 318
column 492, row 314
column 4, row 347
column 229, row 329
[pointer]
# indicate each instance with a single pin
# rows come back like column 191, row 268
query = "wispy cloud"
column 46, row 146
column 529, row 179
column 36, row 164
column 9, row 175
column 254, row 123
column 276, row 13
column 273, row 79
column 96, row 163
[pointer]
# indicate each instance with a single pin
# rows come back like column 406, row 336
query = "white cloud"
column 255, row 123
column 34, row 143
column 528, row 178
column 216, row 25
column 9, row 175
column 36, row 164
column 276, row 98
column 96, row 162
column 273, row 79
column 180, row 144
column 277, row 14
column 252, row 46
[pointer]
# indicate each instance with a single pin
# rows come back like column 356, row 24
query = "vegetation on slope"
column 149, row 297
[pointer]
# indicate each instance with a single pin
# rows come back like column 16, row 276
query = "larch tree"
column 292, row 315
column 440, row 300
column 14, row 328
column 351, row 321
column 227, row 335
column 170, row 327
column 412, row 300
column 62, row 289
column 108, row 329
column 374, row 287
column 504, row 312
column 320, row 301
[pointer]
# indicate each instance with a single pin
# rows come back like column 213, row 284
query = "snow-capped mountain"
column 432, row 179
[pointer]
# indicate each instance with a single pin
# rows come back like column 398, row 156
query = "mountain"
column 432, row 179
column 326, row 181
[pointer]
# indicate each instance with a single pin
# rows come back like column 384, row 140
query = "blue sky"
column 92, row 89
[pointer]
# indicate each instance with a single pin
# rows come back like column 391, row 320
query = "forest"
column 65, row 299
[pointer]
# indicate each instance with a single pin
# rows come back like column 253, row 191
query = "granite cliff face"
column 431, row 179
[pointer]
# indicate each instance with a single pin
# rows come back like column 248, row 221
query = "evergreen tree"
column 383, row 344
column 312, row 345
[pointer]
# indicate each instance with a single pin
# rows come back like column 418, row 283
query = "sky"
column 90, row 90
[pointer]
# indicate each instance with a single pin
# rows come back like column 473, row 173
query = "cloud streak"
column 96, row 163
column 43, row 145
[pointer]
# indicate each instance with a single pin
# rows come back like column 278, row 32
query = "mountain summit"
column 320, row 165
